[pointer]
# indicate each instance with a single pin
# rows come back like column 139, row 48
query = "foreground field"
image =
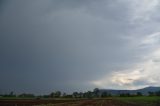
column 100, row 102
column 142, row 101
column 114, row 101
column 31, row 102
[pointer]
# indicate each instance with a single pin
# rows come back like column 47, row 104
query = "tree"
column 139, row 94
column 68, row 96
column 52, row 95
column 157, row 93
column 88, row 94
column 80, row 95
column 125, row 95
column 11, row 94
column 151, row 93
column 96, row 92
column 104, row 94
column 75, row 94
column 57, row 94
column 46, row 96
column 64, row 95
column 27, row 95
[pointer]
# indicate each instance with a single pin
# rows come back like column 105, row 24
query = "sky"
column 78, row 45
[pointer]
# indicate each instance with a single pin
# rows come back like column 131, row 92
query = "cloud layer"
column 78, row 45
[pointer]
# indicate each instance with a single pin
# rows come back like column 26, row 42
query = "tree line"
column 96, row 93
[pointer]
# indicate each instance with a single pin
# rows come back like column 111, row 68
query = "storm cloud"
column 49, row 45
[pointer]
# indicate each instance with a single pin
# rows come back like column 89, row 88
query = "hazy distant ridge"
column 144, row 91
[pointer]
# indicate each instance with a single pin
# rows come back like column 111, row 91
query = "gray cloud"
column 49, row 45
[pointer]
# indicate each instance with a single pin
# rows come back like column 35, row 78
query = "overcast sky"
column 77, row 45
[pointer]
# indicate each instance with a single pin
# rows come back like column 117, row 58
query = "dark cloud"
column 58, row 44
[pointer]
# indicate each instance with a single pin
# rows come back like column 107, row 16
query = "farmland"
column 31, row 102
column 111, row 101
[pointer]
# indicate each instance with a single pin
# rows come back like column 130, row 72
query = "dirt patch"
column 30, row 102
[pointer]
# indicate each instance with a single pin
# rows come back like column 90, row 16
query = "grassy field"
column 142, row 101
column 110, row 101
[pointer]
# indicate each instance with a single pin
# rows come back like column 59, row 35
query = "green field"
column 142, row 101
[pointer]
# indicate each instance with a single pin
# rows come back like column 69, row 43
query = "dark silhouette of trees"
column 11, row 94
column 88, row 94
column 75, row 94
column 151, row 93
column 52, row 95
column 139, row 94
column 58, row 94
column 105, row 94
column 80, row 95
column 68, row 96
column 96, row 92
column 154, row 93
column 25, row 95
column 157, row 93
column 125, row 95
column 64, row 95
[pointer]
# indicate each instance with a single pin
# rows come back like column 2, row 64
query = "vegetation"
column 95, row 97
column 96, row 93
column 141, row 100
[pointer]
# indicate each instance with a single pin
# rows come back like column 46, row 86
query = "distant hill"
column 144, row 91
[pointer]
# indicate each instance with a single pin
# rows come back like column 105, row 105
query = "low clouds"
column 78, row 45
column 142, row 74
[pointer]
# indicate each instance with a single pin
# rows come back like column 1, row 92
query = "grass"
column 141, row 100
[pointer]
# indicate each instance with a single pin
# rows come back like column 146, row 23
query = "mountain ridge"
column 144, row 91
